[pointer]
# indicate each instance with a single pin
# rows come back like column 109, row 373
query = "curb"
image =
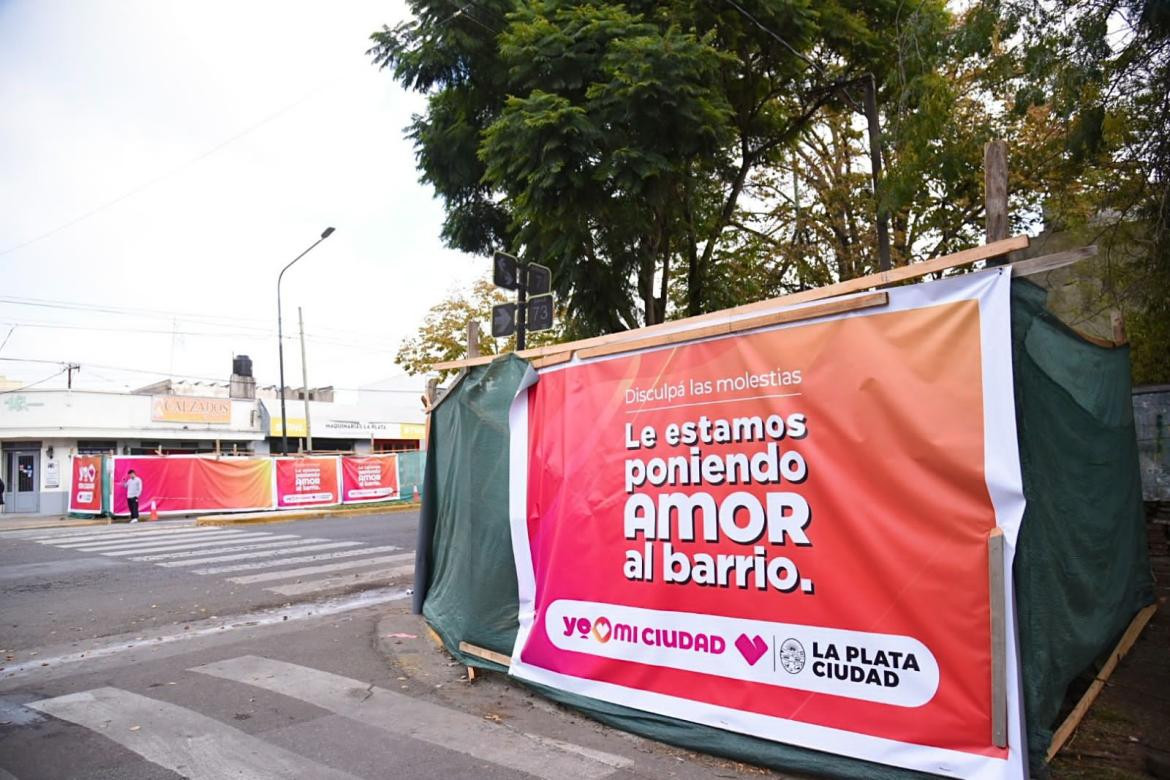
column 284, row 516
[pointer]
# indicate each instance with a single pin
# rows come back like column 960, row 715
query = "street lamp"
column 280, row 341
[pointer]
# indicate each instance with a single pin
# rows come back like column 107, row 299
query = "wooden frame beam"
column 737, row 326
column 860, row 284
column 485, row 654
column 1078, row 713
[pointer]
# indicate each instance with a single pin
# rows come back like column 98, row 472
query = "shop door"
column 20, row 480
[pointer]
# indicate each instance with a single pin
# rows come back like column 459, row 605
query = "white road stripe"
column 181, row 740
column 290, row 561
column 306, row 571
column 210, row 544
column 243, row 547
column 260, row 554
column 398, row 714
column 106, row 544
column 341, row 581
column 109, row 532
column 89, row 654
column 128, row 535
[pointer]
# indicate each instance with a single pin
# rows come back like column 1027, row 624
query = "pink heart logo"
column 751, row 649
column 602, row 629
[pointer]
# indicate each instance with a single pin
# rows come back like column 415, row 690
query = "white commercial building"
column 41, row 430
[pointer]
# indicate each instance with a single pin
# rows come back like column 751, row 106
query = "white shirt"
column 133, row 487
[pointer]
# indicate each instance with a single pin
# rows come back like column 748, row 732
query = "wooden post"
column 428, row 400
column 995, row 194
column 1117, row 320
column 473, row 338
column 998, row 639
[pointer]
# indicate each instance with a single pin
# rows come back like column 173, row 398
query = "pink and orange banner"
column 306, row 482
column 785, row 532
column 368, row 479
column 85, row 491
column 179, row 484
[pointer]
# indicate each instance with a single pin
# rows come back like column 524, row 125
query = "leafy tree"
column 443, row 333
column 615, row 141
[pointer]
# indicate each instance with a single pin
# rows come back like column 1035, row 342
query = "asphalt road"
column 168, row 650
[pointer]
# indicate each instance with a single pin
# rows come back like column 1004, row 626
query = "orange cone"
column 153, row 511
column 417, row 498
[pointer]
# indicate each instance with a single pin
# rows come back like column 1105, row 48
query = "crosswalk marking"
column 258, row 554
column 256, row 557
column 206, row 544
column 181, row 740
column 78, row 535
column 290, row 545
column 341, row 581
column 399, row 714
column 157, row 538
column 307, row 571
column 161, row 543
column 299, row 559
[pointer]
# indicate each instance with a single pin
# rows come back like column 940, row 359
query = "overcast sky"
column 230, row 135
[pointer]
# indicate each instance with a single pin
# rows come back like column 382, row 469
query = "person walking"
column 2, row 489
column 133, row 491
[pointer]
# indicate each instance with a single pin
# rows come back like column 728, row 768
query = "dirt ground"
column 1127, row 732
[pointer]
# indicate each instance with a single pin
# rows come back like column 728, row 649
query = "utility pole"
column 875, row 159
column 305, row 383
column 521, row 308
column 70, row 368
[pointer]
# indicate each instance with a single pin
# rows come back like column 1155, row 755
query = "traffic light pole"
column 521, row 305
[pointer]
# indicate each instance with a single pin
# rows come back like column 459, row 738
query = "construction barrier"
column 878, row 542
column 191, row 484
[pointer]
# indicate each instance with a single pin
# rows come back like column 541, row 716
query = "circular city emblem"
column 792, row 656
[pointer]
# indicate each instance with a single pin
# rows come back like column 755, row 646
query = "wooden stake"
column 1117, row 320
column 473, row 338
column 1078, row 713
column 998, row 639
column 995, row 192
column 485, row 654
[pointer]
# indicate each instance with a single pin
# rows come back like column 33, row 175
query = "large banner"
column 306, row 482
column 373, row 478
column 85, row 489
column 783, row 533
column 195, row 484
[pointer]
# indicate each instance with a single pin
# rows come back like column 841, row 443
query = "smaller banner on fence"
column 302, row 482
column 369, row 479
column 180, row 484
column 85, row 491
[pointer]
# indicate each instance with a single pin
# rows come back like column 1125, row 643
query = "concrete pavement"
column 177, row 650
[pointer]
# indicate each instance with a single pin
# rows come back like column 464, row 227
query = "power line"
column 193, row 377
column 261, row 337
column 217, row 321
column 164, row 176
column 34, row 384
column 776, row 37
